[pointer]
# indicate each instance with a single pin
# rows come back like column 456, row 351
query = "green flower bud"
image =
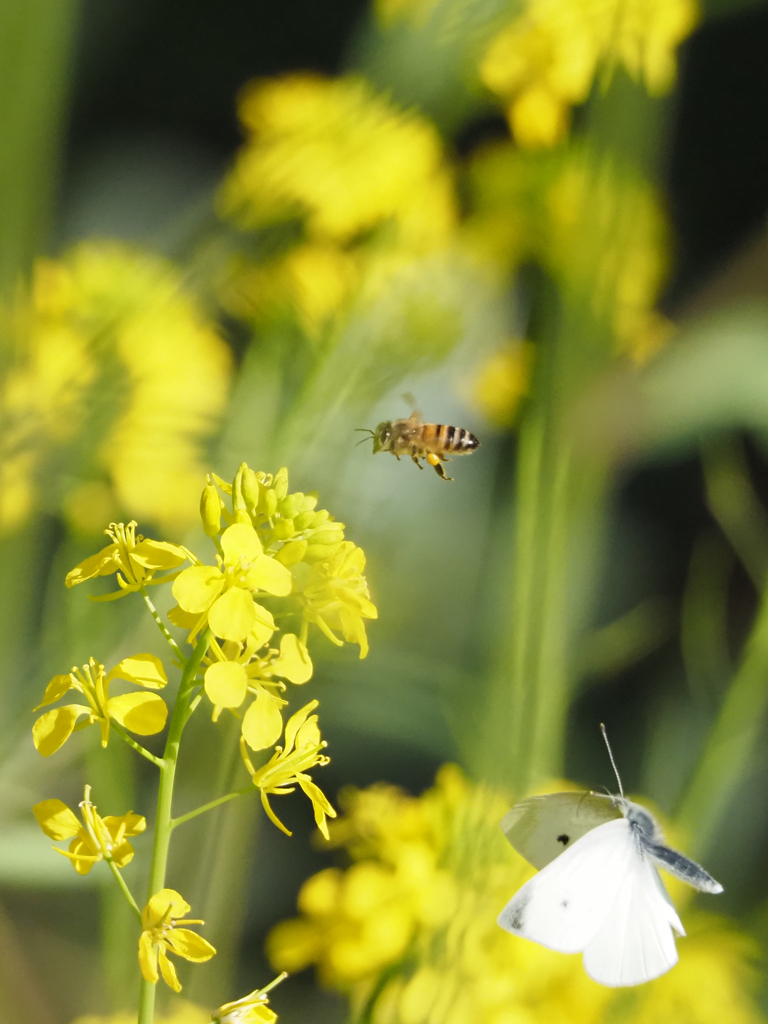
column 319, row 518
column 250, row 488
column 303, row 520
column 292, row 553
column 210, row 510
column 268, row 503
column 321, row 552
column 288, row 506
column 284, row 529
column 280, row 483
column 328, row 536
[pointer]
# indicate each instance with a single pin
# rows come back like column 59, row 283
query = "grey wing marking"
column 683, row 868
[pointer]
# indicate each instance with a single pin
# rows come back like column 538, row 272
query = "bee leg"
column 434, row 461
column 415, row 459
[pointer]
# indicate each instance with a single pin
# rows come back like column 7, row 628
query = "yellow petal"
column 100, row 564
column 184, row 620
column 131, row 824
column 56, row 819
column 294, row 662
column 198, row 587
column 240, row 541
column 159, row 905
column 147, row 958
column 122, row 854
column 144, row 669
column 263, row 722
column 82, row 854
column 54, row 728
column 226, row 684
column 158, row 554
column 320, row 804
column 142, row 713
column 57, row 687
column 233, row 615
column 268, row 574
column 168, row 972
column 190, row 945
column 296, row 721
column 309, row 734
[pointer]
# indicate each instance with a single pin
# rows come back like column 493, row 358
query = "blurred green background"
column 594, row 308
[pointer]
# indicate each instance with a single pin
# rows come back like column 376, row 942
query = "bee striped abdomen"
column 444, row 438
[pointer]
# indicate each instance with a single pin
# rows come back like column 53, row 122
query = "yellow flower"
column 116, row 357
column 547, row 58
column 503, row 381
column 222, row 595
column 95, row 839
column 142, row 713
column 182, row 1012
column 134, row 560
column 345, row 159
column 409, row 929
column 288, row 766
column 251, row 1009
column 235, row 669
column 160, row 920
column 334, row 595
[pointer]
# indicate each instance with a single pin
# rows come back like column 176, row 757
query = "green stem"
column 163, row 628
column 136, row 746
column 730, row 744
column 123, row 887
column 163, row 819
column 210, row 806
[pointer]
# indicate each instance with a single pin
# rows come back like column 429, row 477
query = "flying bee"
column 430, row 441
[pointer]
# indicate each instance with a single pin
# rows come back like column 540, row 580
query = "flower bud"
column 210, row 510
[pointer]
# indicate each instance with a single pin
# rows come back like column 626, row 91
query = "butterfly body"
column 598, row 890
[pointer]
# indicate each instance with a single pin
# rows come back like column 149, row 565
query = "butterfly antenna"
column 613, row 763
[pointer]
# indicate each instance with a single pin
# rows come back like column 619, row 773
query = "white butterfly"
column 598, row 891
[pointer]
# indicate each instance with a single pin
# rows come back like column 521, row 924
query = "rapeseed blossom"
column 95, row 838
column 546, row 60
column 409, row 930
column 133, row 559
column 161, row 920
column 289, row 764
column 120, row 376
column 250, row 1009
column 141, row 713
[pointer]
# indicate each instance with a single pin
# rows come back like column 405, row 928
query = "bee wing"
column 542, row 827
column 415, row 415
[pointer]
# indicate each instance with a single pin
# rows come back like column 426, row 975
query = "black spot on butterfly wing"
column 564, row 839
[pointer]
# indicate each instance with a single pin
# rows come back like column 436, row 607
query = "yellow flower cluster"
column 409, row 930
column 118, row 373
column 367, row 182
column 545, row 61
column 593, row 224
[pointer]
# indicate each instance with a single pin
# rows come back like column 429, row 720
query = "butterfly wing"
column 635, row 942
column 542, row 827
column 566, row 904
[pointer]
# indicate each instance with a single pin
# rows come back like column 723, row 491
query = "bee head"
column 382, row 437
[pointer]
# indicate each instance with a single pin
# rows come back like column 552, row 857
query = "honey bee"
column 430, row 441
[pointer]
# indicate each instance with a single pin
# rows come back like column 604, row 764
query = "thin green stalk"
column 730, row 744
column 123, row 887
column 165, row 801
column 210, row 806
column 163, row 628
column 158, row 761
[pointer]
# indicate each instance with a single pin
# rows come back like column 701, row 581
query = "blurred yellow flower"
column 288, row 766
column 334, row 595
column 181, row 1012
column 250, row 1009
column 95, row 838
column 336, row 153
column 503, row 380
column 545, row 61
column 118, row 372
column 142, row 713
column 161, row 919
column 134, row 560
column 409, row 930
